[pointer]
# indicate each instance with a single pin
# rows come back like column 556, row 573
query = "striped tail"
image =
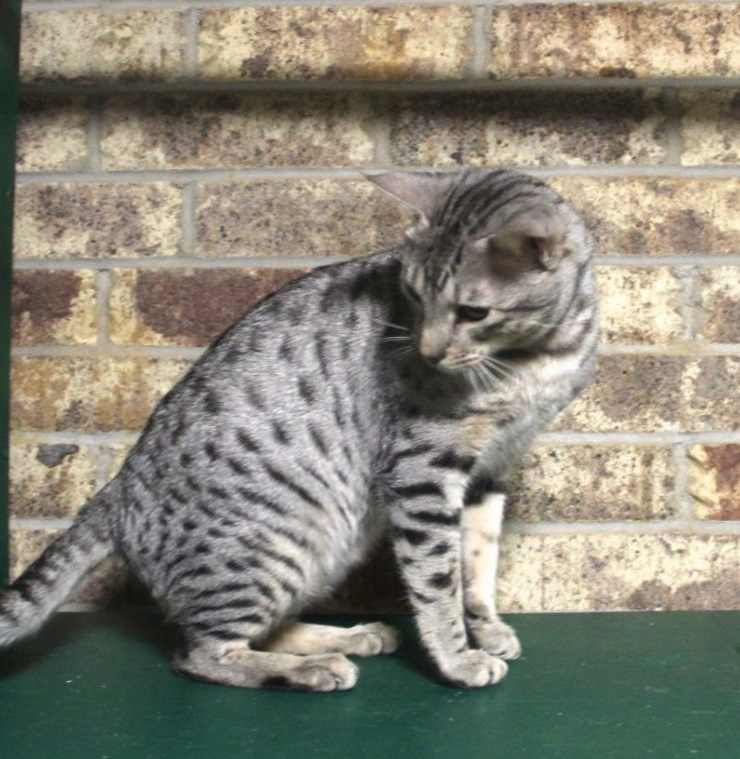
column 49, row 581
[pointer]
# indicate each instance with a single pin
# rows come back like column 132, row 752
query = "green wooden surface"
column 590, row 686
column 9, row 32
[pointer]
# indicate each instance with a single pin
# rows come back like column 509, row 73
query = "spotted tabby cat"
column 393, row 392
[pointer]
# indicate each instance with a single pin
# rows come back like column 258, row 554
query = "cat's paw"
column 474, row 669
column 497, row 638
column 372, row 639
column 324, row 673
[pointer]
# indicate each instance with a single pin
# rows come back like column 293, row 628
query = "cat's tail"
column 49, row 581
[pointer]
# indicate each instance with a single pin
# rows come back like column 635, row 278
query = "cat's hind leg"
column 238, row 665
column 368, row 639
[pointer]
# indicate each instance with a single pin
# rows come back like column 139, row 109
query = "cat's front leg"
column 481, row 532
column 427, row 541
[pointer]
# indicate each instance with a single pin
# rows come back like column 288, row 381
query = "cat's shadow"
column 69, row 629
column 148, row 629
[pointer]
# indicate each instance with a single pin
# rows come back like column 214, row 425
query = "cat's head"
column 492, row 265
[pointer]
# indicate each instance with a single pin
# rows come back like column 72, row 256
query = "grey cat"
column 392, row 393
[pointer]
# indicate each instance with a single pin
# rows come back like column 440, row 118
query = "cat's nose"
column 433, row 345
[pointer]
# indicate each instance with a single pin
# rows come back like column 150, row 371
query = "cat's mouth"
column 484, row 373
column 453, row 364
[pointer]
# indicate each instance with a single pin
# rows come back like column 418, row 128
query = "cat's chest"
column 487, row 416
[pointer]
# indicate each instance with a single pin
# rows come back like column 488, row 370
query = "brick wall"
column 177, row 162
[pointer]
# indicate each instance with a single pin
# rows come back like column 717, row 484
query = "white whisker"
column 391, row 325
column 499, row 367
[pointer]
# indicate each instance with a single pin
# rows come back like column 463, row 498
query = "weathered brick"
column 715, row 481
column 236, row 131
column 527, row 128
column 636, row 393
column 710, row 127
column 26, row 546
column 87, row 220
column 658, row 215
column 640, row 306
column 52, row 134
column 520, row 573
column 611, row 571
column 102, row 45
column 717, row 318
column 368, row 43
column 50, row 479
column 52, row 307
column 185, row 307
column 711, row 393
column 296, row 218
column 87, row 394
column 568, row 483
column 615, row 40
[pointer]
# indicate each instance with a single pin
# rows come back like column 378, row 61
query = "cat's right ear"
column 419, row 190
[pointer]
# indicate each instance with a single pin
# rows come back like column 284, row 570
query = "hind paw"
column 324, row 673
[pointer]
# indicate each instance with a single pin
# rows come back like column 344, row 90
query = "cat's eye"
column 472, row 313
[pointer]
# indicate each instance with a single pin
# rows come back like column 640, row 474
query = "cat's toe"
column 499, row 639
column 326, row 673
column 474, row 669
column 375, row 638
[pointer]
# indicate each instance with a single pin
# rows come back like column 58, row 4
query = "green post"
column 10, row 25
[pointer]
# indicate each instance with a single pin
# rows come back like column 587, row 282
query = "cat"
column 390, row 394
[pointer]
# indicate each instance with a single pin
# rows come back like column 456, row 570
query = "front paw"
column 474, row 669
column 497, row 638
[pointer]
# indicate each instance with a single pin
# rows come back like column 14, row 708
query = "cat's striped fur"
column 394, row 392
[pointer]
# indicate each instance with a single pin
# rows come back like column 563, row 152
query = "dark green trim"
column 589, row 686
column 10, row 25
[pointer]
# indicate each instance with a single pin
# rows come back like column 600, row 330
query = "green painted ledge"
column 660, row 685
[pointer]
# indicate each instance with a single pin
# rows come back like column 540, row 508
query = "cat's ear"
column 419, row 190
column 536, row 237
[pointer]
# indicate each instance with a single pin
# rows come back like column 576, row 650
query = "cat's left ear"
column 539, row 238
column 419, row 190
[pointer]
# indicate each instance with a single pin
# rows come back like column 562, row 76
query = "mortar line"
column 87, row 439
column 377, row 127
column 627, row 260
column 684, row 501
column 481, row 42
column 687, row 437
column 175, row 176
column 693, row 349
column 688, row 528
column 690, row 303
column 110, row 350
column 672, row 111
column 94, row 134
column 188, row 222
column 190, row 42
column 102, row 308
